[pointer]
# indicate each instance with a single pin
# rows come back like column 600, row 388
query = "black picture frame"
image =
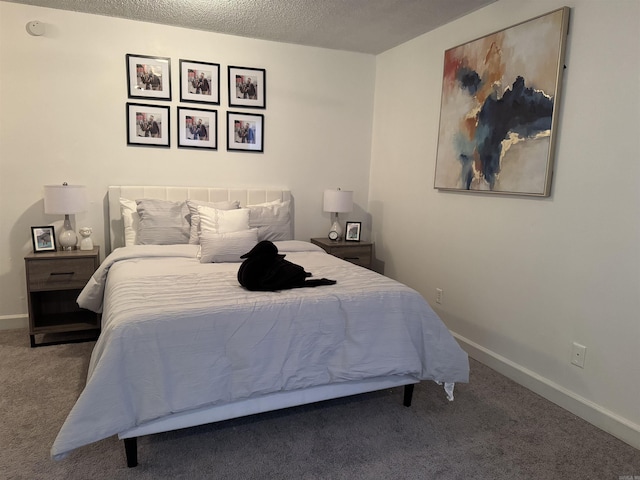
column 240, row 79
column 352, row 231
column 148, row 77
column 190, row 86
column 192, row 122
column 141, row 130
column 43, row 239
column 240, row 141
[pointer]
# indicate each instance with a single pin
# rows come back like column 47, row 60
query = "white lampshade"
column 65, row 199
column 338, row 201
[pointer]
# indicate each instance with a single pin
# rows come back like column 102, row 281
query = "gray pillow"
column 273, row 220
column 162, row 222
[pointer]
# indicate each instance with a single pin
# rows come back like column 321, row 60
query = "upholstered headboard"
column 245, row 196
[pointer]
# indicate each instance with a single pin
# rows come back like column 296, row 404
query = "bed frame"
column 251, row 406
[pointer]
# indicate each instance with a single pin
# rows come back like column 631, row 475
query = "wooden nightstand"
column 54, row 281
column 360, row 253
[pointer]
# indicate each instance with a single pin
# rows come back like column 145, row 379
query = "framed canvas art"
column 499, row 111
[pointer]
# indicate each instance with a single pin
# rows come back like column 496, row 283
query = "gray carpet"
column 495, row 429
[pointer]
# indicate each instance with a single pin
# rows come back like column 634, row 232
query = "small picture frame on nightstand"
column 44, row 239
column 352, row 231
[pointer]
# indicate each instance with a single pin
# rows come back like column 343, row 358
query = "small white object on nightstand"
column 86, row 243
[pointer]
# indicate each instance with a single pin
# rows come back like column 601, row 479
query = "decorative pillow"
column 289, row 246
column 130, row 219
column 266, row 204
column 195, row 216
column 273, row 220
column 162, row 222
column 223, row 221
column 226, row 247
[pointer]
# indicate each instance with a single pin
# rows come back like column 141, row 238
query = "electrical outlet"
column 578, row 352
column 439, row 295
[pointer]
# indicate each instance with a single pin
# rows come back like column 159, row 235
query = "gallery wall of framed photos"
column 149, row 124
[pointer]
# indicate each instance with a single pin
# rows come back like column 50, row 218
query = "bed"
column 183, row 344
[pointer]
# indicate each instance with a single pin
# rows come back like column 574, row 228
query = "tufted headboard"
column 246, row 196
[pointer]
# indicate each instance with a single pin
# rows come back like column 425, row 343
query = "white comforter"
column 178, row 335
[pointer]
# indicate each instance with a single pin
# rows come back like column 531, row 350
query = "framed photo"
column 149, row 77
column 199, row 82
column 197, row 128
column 147, row 125
column 499, row 111
column 44, row 239
column 352, row 231
column 245, row 132
column 247, row 87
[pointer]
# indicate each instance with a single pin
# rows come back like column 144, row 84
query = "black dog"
column 266, row 270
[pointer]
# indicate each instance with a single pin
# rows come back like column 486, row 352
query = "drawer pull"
column 61, row 273
column 352, row 258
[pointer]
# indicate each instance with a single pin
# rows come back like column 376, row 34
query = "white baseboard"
column 10, row 322
column 598, row 416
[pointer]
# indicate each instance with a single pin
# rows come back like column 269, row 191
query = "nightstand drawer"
column 357, row 255
column 71, row 273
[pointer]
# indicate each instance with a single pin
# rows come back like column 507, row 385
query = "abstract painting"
column 499, row 112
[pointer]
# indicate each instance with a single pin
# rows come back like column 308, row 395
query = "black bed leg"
column 408, row 395
column 131, row 450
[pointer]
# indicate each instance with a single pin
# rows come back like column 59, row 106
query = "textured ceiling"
column 367, row 26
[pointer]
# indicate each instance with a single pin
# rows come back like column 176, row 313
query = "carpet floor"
column 495, row 429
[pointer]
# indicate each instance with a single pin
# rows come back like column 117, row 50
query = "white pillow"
column 195, row 216
column 272, row 219
column 130, row 219
column 266, row 204
column 223, row 221
column 226, row 247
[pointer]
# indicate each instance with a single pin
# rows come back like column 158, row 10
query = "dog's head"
column 264, row 250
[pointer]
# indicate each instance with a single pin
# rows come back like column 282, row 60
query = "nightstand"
column 360, row 253
column 54, row 281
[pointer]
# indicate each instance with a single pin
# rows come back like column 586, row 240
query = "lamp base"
column 68, row 238
column 335, row 232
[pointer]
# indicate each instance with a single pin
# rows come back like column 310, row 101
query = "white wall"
column 62, row 118
column 523, row 278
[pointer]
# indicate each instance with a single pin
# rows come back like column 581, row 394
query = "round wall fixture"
column 35, row 28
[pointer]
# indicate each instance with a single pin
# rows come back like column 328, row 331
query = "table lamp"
column 65, row 200
column 337, row 201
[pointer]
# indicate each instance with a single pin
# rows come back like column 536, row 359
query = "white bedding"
column 178, row 335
